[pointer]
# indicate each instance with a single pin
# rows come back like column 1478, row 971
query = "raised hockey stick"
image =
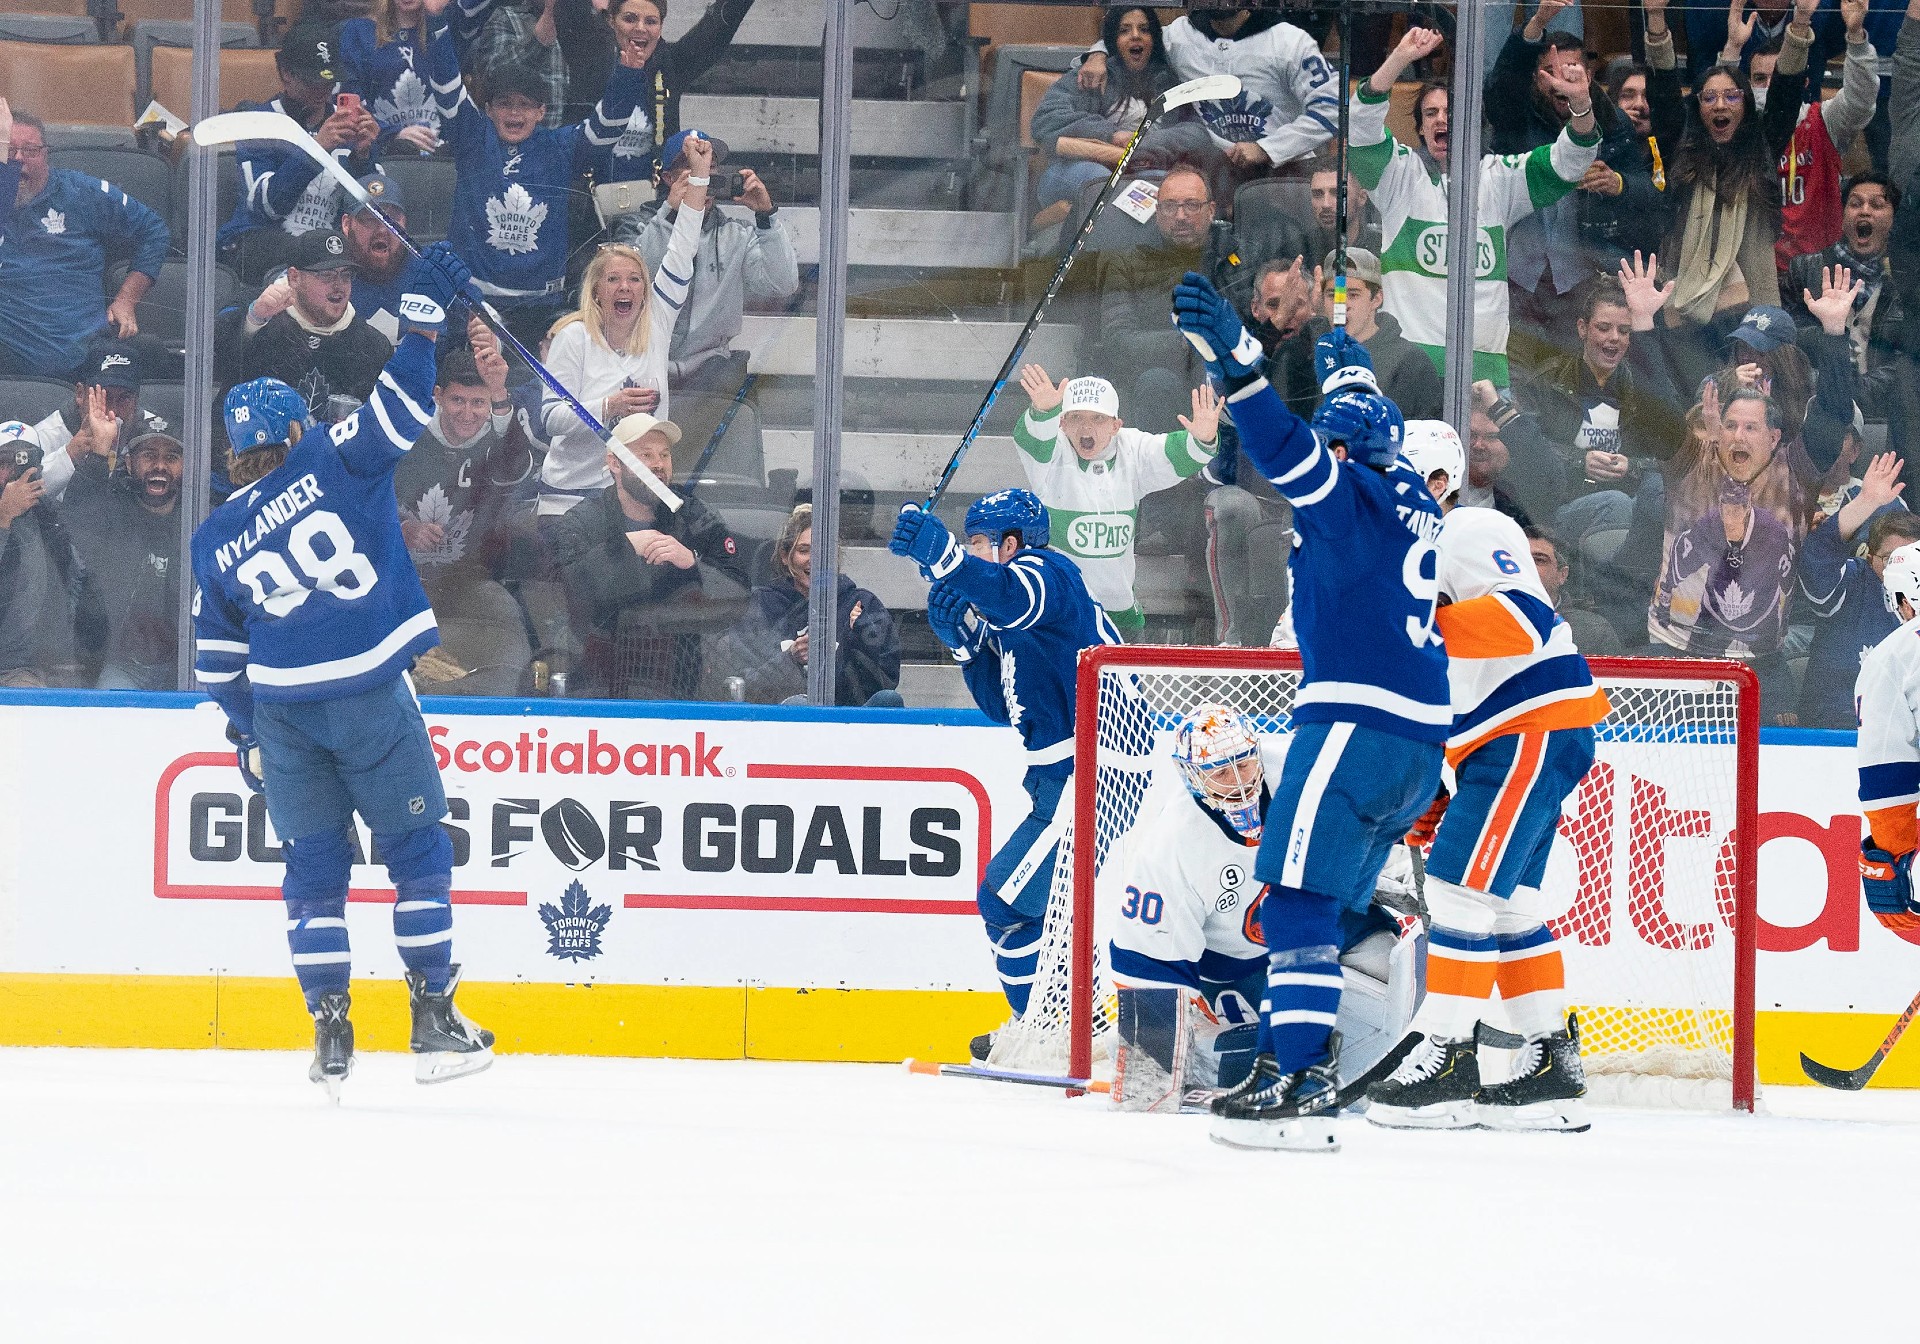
column 1852, row 1080
column 229, row 128
column 1340, row 171
column 1206, row 89
column 933, row 1070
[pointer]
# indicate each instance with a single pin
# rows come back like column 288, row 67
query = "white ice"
column 215, row 1196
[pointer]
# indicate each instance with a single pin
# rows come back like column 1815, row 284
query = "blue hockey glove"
column 1232, row 354
column 1340, row 361
column 954, row 621
column 434, row 281
column 1888, row 883
column 921, row 536
column 247, row 757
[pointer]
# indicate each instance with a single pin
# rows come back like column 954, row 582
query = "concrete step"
column 882, row 128
column 905, row 348
column 903, row 464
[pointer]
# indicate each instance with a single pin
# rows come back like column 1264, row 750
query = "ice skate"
column 448, row 1046
column 332, row 1044
column 1545, row 1091
column 1292, row 1112
column 1434, row 1088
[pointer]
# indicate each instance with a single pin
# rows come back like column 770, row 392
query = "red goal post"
column 1653, row 887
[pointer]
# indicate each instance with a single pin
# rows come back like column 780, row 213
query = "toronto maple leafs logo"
column 636, row 142
column 513, row 220
column 54, row 222
column 410, row 104
column 575, row 925
column 1238, row 120
column 454, row 524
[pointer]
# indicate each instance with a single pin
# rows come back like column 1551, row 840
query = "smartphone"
column 21, row 455
column 347, row 102
column 729, row 186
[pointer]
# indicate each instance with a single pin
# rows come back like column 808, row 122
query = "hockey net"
column 1651, row 886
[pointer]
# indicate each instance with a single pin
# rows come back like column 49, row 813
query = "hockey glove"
column 1888, row 883
column 954, row 621
column 247, row 757
column 434, row 281
column 1233, row 356
column 1340, row 361
column 1423, row 830
column 921, row 536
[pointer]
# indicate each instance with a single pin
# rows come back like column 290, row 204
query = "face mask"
column 1760, row 97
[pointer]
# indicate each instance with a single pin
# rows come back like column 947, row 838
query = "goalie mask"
column 1432, row 445
column 1219, row 758
column 1901, row 578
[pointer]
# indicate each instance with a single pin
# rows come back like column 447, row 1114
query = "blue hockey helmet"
column 1366, row 422
column 262, row 413
column 1006, row 511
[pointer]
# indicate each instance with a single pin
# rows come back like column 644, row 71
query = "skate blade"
column 333, row 1084
column 446, row 1065
column 1462, row 1114
column 1541, row 1117
column 1304, row 1134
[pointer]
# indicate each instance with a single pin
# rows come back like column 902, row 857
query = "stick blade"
column 1206, row 89
column 230, row 128
column 1841, row 1080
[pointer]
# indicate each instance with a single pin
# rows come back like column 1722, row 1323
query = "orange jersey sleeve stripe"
column 1484, row 627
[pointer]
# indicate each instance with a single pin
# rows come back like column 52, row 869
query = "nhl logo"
column 575, row 925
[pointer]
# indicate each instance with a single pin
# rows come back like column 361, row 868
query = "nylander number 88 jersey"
column 303, row 581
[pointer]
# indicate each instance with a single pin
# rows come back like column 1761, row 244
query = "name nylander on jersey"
column 1365, row 577
column 304, row 583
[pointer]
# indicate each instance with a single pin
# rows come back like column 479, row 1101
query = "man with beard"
column 52, row 625
column 127, row 529
column 303, row 329
column 105, row 412
column 1323, row 193
column 378, row 260
column 453, row 488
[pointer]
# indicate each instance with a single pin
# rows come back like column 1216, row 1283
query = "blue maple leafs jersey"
column 1366, row 572
column 304, row 588
column 1039, row 616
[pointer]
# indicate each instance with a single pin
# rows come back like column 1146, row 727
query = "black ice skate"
column 1287, row 1111
column 1434, row 1088
column 332, row 1044
column 1545, row 1091
column 447, row 1044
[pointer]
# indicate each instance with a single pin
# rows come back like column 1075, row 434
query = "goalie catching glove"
column 1888, row 884
column 435, row 279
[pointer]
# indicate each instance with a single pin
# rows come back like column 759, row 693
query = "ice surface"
column 214, row 1196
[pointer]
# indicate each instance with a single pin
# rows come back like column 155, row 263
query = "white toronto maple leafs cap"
column 1091, row 394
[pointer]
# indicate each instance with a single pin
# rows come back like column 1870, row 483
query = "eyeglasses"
column 1731, row 98
column 29, row 151
column 1167, row 207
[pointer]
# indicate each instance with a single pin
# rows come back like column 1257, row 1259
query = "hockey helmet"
column 262, row 413
column 1432, row 445
column 1901, row 578
column 1004, row 511
column 1219, row 758
column 1365, row 422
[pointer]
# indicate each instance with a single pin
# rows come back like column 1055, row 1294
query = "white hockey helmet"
column 1901, row 578
column 1432, row 445
column 1219, row 757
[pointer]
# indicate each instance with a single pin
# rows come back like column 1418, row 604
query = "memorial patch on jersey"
column 575, row 925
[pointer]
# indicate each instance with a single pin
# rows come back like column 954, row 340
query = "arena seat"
column 145, row 177
column 68, row 8
column 151, row 33
column 163, row 312
column 33, row 399
column 427, row 185
column 245, row 76
column 181, row 11
column 48, row 28
column 84, row 86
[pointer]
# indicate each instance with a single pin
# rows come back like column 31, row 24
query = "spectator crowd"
column 1696, row 380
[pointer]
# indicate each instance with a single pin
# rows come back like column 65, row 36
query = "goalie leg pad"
column 1462, row 960
column 315, row 889
column 1385, row 981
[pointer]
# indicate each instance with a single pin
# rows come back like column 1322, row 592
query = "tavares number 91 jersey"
column 303, row 582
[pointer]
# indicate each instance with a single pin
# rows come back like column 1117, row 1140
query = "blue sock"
column 315, row 889
column 1302, row 1000
column 1016, row 947
column 420, row 865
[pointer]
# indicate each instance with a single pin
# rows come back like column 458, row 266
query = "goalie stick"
column 933, row 1070
column 230, row 128
column 1206, row 89
column 1852, row 1080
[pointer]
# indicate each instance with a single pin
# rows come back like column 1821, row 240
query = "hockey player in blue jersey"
column 1015, row 615
column 1371, row 716
column 307, row 613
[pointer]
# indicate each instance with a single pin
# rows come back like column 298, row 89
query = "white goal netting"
column 1650, row 887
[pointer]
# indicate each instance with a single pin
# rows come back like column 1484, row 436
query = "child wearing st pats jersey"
column 1091, row 472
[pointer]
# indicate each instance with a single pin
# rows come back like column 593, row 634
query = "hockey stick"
column 230, row 128
column 933, row 1070
column 1206, row 89
column 1853, row 1080
column 1340, row 171
column 720, row 432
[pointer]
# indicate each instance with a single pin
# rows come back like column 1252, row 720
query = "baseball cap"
column 385, row 192
column 511, row 77
column 1091, row 394
column 635, row 426
column 309, row 52
column 319, row 250
column 670, row 152
column 18, row 431
column 111, row 364
column 1361, row 265
column 1764, row 328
